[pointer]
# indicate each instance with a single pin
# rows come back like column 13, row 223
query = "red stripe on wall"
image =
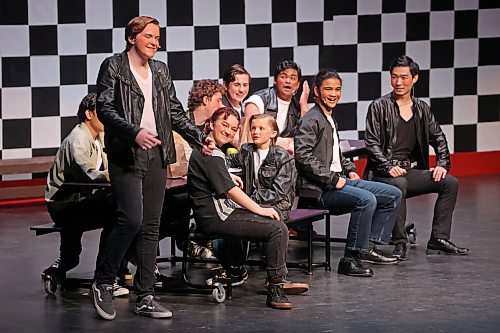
column 20, row 202
column 23, row 182
column 462, row 164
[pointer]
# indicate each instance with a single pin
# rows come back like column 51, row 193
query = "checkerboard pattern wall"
column 50, row 51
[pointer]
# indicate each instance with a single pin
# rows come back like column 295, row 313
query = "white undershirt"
column 238, row 109
column 146, row 85
column 335, row 166
column 258, row 157
column 283, row 106
column 282, row 114
column 99, row 155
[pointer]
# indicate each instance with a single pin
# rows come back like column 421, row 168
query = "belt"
column 401, row 163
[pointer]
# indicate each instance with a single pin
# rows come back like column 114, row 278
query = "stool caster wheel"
column 49, row 281
column 218, row 293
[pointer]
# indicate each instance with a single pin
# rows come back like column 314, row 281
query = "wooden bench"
column 17, row 189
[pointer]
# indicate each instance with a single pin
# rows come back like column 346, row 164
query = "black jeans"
column 243, row 224
column 175, row 222
column 75, row 218
column 417, row 182
column 139, row 192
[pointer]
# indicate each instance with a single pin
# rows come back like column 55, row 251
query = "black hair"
column 87, row 103
column 325, row 74
column 286, row 64
column 405, row 61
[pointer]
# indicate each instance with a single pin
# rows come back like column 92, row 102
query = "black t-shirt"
column 208, row 180
column 406, row 139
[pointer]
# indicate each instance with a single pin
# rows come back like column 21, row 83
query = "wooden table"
column 31, row 188
column 26, row 165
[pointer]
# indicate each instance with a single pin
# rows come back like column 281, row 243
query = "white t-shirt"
column 258, row 157
column 146, row 85
column 99, row 155
column 282, row 109
column 335, row 166
column 238, row 109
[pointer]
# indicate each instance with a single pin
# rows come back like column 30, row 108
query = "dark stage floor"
column 423, row 294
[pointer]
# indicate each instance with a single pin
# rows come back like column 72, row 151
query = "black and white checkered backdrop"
column 50, row 52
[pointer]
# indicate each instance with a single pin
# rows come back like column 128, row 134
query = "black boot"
column 444, row 246
column 377, row 258
column 276, row 298
column 351, row 265
column 400, row 251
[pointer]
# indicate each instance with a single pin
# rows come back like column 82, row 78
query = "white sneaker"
column 119, row 290
column 198, row 251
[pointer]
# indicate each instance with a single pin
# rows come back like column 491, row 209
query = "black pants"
column 243, row 224
column 417, row 182
column 75, row 218
column 139, row 192
column 175, row 216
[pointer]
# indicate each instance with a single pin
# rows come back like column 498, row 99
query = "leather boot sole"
column 369, row 274
column 432, row 251
column 295, row 288
column 379, row 262
column 280, row 306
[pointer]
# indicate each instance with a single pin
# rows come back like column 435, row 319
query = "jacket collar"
column 99, row 137
column 226, row 102
column 128, row 78
column 251, row 147
column 392, row 96
column 320, row 111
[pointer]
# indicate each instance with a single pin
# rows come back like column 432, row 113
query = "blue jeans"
column 373, row 206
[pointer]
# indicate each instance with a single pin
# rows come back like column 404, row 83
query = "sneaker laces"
column 117, row 286
column 150, row 304
column 277, row 293
column 105, row 292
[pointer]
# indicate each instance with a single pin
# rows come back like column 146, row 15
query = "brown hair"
column 135, row 27
column 231, row 72
column 201, row 89
column 270, row 121
column 223, row 112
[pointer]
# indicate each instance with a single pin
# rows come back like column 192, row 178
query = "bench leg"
column 173, row 254
column 309, row 248
column 328, row 267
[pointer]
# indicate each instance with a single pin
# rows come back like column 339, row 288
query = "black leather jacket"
column 276, row 177
column 313, row 143
column 270, row 99
column 226, row 102
column 380, row 136
column 120, row 103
